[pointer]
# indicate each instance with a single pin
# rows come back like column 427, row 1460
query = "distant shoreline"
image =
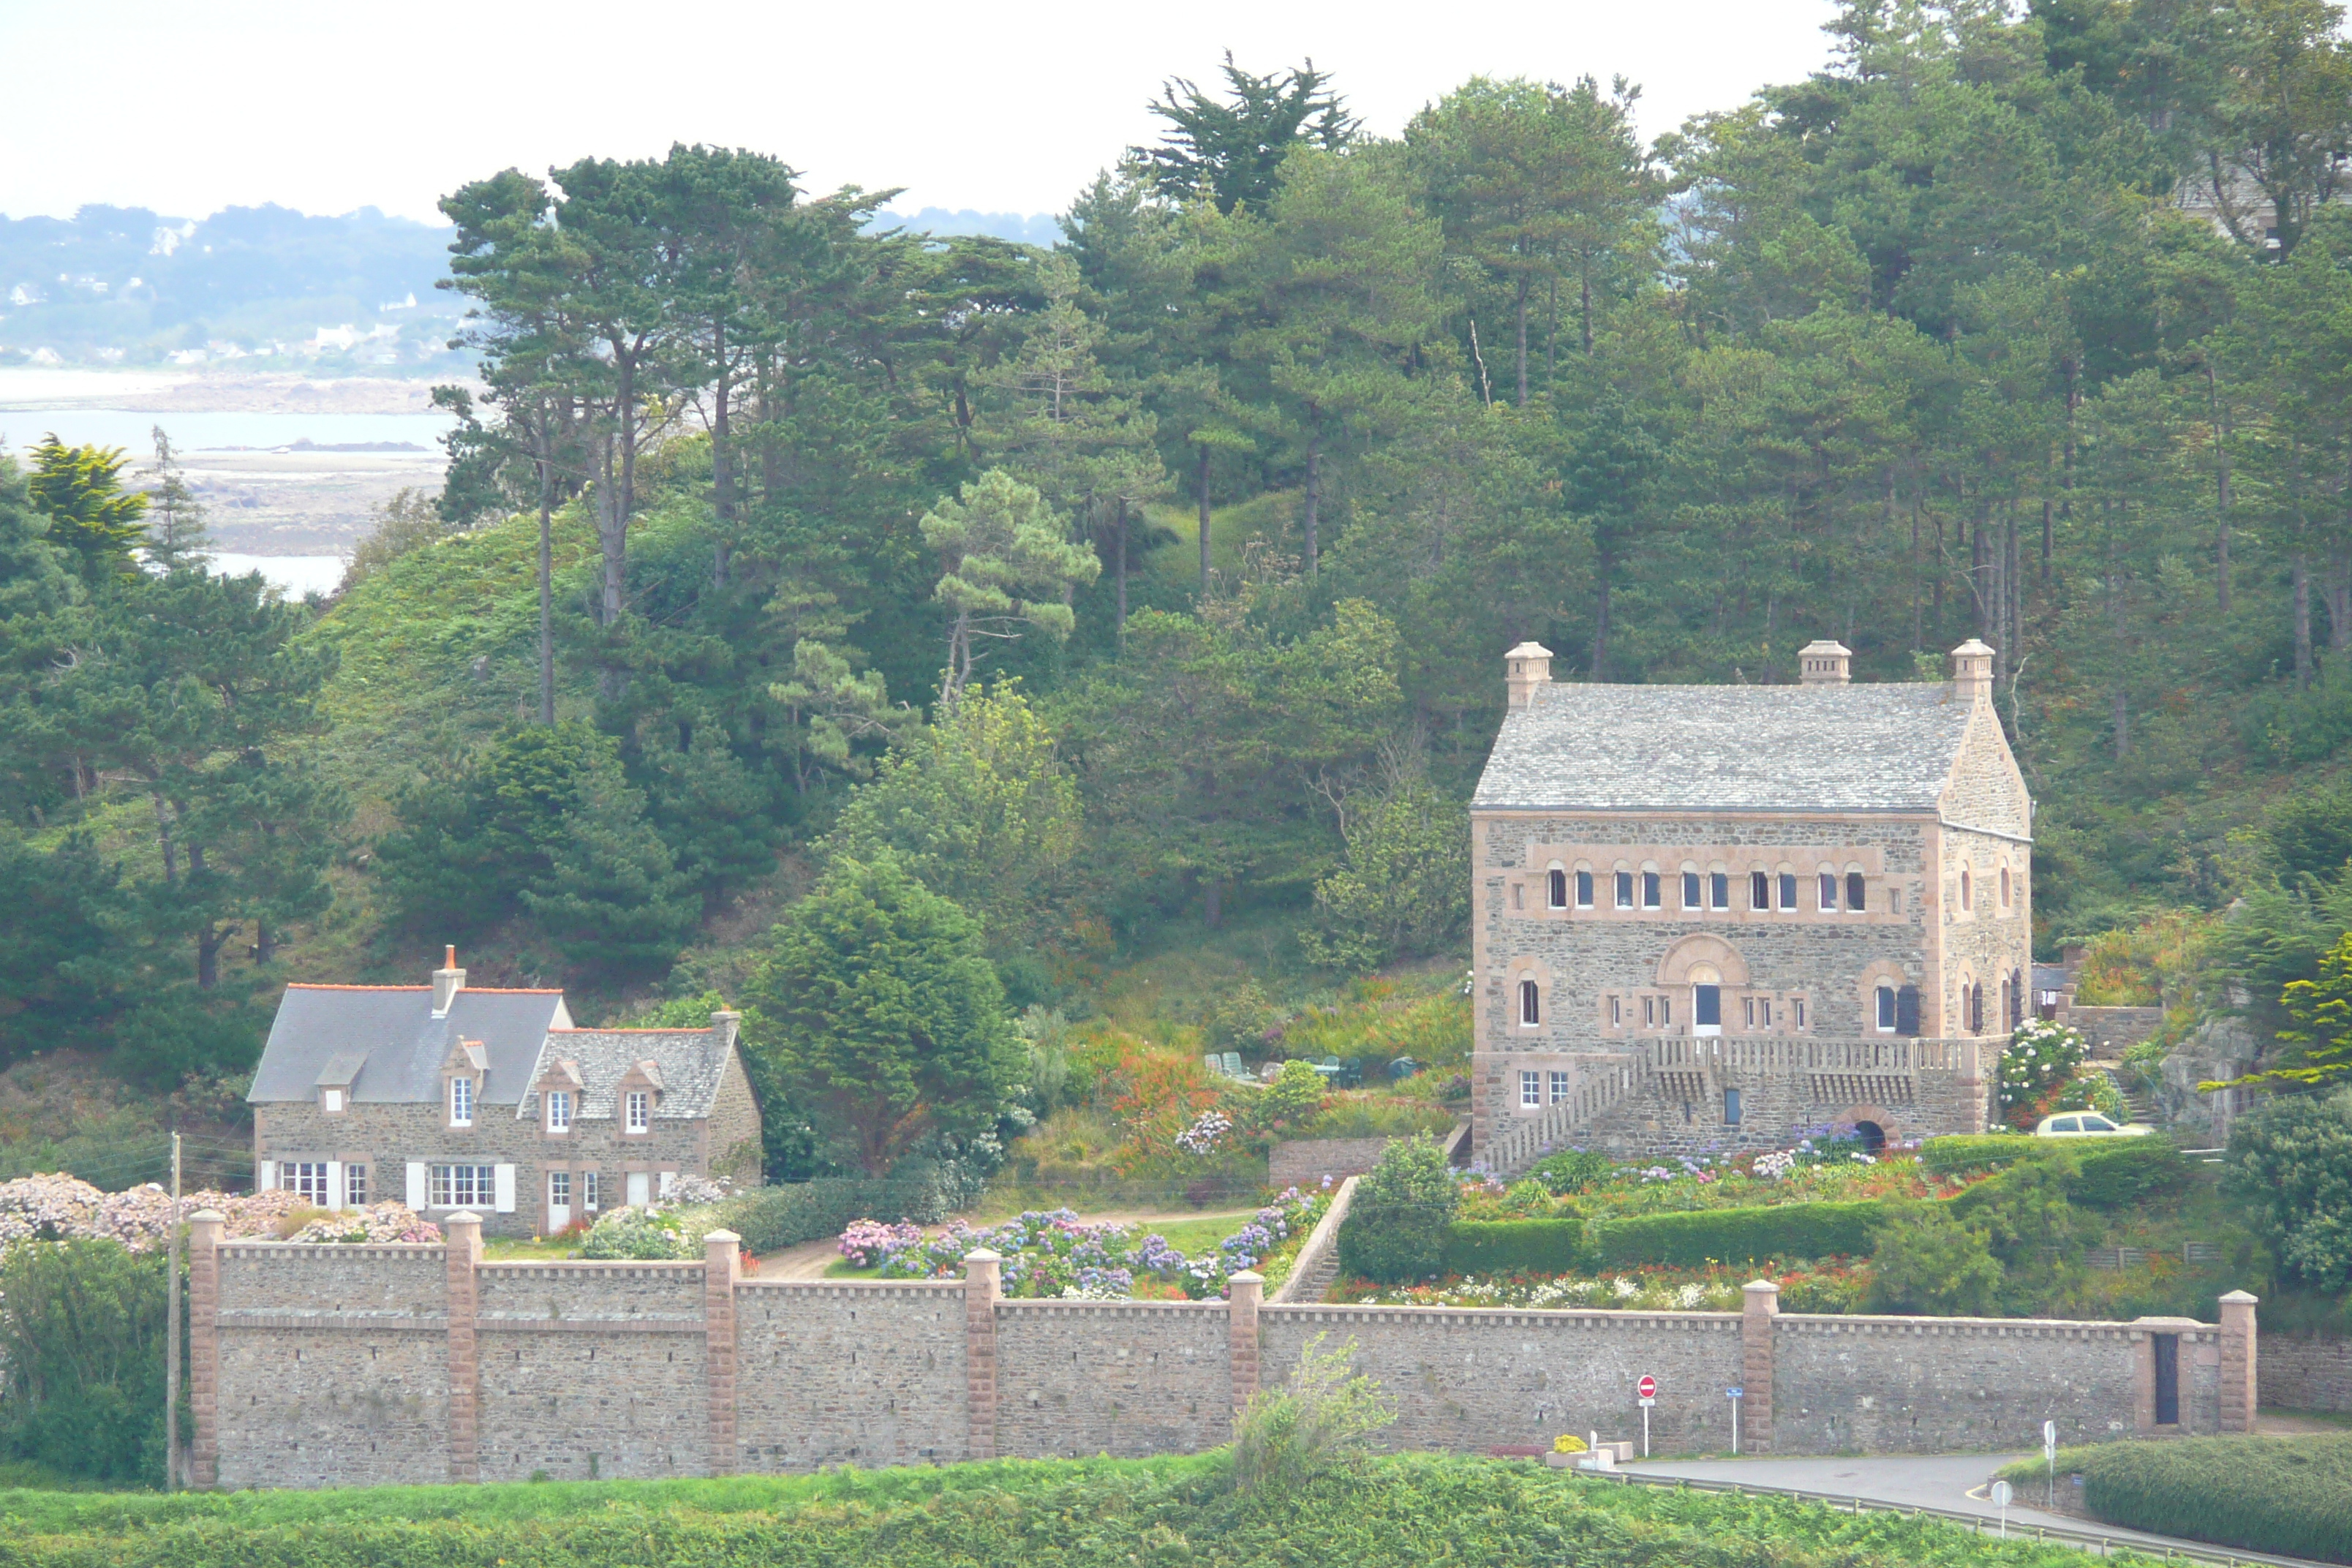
column 25, row 388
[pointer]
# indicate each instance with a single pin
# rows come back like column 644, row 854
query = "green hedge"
column 1737, row 1236
column 1517, row 1246
column 2289, row 1495
column 769, row 1219
column 2113, row 1171
column 1986, row 1151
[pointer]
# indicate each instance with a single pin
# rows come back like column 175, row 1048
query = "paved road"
column 1951, row 1481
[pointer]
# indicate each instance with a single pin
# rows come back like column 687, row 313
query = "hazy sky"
column 192, row 105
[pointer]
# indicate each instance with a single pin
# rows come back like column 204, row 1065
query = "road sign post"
column 1733, row 1394
column 2001, row 1493
column 2050, row 1452
column 1647, row 1389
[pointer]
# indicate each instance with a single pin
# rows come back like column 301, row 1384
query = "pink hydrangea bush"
column 61, row 1207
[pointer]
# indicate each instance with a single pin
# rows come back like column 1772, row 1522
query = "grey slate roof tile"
column 404, row 1046
column 1885, row 746
column 690, row 1064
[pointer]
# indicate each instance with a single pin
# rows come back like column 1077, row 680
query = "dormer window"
column 559, row 1110
column 461, row 1102
column 637, row 1111
column 330, row 1101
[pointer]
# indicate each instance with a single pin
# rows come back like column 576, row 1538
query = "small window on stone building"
column 1584, row 889
column 1531, row 1089
column 307, row 1179
column 1907, row 1011
column 1797, row 1012
column 1530, row 1004
column 1625, row 889
column 1886, row 1010
column 1751, row 1012
column 2004, row 887
column 1559, row 889
column 1967, row 896
column 1666, row 1012
column 1731, row 1108
column 1788, row 890
column 1616, row 1011
column 1853, row 892
column 559, row 1189
column 1975, row 994
column 1556, row 1084
column 1829, row 892
column 1759, row 891
column 588, row 1193
column 637, row 1109
column 1652, row 895
column 330, row 1101
column 1690, row 891
column 1649, row 1012
column 1718, row 892
column 1518, row 896
column 461, row 1102
column 355, row 1186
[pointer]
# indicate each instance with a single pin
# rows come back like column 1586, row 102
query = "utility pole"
column 171, row 1334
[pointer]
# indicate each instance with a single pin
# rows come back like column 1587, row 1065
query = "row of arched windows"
column 1828, row 891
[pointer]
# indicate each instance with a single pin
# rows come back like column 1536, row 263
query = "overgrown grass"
column 2290, row 1495
column 1095, row 1514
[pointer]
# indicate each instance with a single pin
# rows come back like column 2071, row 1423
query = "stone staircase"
column 1601, row 1083
column 1317, row 1266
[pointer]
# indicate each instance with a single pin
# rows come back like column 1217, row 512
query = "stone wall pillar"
column 1759, row 1307
column 982, row 1286
column 204, row 1345
column 1248, row 1292
column 722, row 1265
column 463, row 1233
column 2239, row 1357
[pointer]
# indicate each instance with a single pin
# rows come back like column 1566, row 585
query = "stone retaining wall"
column 324, row 1365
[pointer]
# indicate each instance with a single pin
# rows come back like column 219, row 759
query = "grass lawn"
column 1409, row 1511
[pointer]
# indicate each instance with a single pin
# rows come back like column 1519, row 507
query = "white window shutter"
column 638, row 1195
column 668, row 1179
column 416, row 1183
column 265, row 1179
column 335, row 1184
column 502, row 1178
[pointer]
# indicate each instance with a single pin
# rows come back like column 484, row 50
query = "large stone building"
column 1713, row 917
column 449, row 1098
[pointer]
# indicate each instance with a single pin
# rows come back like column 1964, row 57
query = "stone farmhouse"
column 1713, row 917
column 455, row 1098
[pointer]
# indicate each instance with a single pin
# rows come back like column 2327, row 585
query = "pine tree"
column 177, row 537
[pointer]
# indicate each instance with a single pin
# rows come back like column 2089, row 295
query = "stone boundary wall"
column 2111, row 1031
column 324, row 1365
column 2306, row 1372
column 1306, row 1160
column 1317, row 1262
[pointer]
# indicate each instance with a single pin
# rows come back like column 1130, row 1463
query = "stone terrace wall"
column 358, row 1365
column 2301, row 1372
column 1469, row 1380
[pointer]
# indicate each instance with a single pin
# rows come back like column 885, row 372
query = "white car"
column 2087, row 1124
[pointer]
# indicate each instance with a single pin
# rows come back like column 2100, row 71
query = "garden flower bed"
column 1055, row 1253
column 1821, row 1285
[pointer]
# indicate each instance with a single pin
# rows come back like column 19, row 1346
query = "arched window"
column 1530, row 1004
column 1625, row 889
column 1976, row 1008
column 2004, row 887
column 1692, row 899
column 1886, row 1009
column 1559, row 889
column 1584, row 889
column 1966, row 892
column 1829, row 892
column 1855, row 888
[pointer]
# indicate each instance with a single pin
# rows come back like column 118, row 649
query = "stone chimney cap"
column 1824, row 662
column 1525, row 650
column 448, row 980
column 1526, row 667
column 2241, row 1299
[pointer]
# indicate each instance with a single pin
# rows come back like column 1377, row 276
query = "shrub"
column 2039, row 1057
column 1294, row 1094
column 2293, row 1161
column 1319, row 1420
column 1517, row 1247
column 1571, row 1170
column 1395, row 1229
column 82, row 1339
column 1987, row 1152
column 1737, row 1236
column 2116, row 1172
column 2288, row 1494
column 769, row 1219
column 640, row 1235
column 1924, row 1260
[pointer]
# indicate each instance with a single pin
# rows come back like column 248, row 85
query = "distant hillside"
column 265, row 287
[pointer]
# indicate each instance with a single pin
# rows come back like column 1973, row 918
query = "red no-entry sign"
column 1647, row 1388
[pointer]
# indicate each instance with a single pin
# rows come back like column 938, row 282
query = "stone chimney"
column 725, row 1025
column 448, row 980
column 1972, row 672
column 1525, row 668
column 1824, row 663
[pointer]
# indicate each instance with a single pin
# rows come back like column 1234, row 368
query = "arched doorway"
column 1873, row 1136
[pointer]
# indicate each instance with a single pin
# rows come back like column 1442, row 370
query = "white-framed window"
column 1855, row 888
column 1649, row 1012
column 1625, row 889
column 559, row 1189
column 1885, row 998
column 1556, row 1084
column 461, row 1102
column 1690, row 891
column 1530, row 1089
column 460, row 1186
column 1557, row 884
column 1797, row 1011
column 1829, row 892
column 1653, row 894
column 1616, row 1011
column 637, row 1111
column 589, row 1195
column 1584, row 889
column 1719, row 889
column 1530, row 1004
column 355, row 1186
column 559, row 1110
column 307, row 1179
column 330, row 1101
column 1759, row 889
column 1788, row 890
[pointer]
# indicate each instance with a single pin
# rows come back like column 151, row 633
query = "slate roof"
column 1886, row 746
column 403, row 1046
column 689, row 1065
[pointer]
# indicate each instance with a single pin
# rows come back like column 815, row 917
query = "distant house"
column 1712, row 917
column 445, row 1097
